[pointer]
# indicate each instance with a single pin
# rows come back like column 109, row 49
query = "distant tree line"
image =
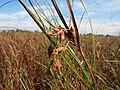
column 19, row 30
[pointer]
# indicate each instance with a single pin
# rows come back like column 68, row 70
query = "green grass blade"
column 78, row 61
column 6, row 3
column 51, row 12
column 74, row 70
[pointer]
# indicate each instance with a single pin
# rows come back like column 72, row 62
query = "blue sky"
column 14, row 15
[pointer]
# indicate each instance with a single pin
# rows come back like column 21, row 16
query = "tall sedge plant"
column 40, row 23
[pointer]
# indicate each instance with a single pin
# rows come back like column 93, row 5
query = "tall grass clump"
column 58, row 58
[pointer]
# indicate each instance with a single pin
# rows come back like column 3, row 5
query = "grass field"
column 25, row 65
column 59, row 57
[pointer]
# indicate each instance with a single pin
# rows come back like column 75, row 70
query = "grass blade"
column 59, row 13
column 6, row 3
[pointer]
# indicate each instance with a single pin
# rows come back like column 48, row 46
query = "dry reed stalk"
column 77, row 42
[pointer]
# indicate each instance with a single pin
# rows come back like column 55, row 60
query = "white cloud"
column 107, row 28
column 62, row 5
column 115, row 4
column 6, row 16
column 20, row 14
column 13, row 16
column 106, row 5
column 27, row 24
column 19, row 19
column 77, row 5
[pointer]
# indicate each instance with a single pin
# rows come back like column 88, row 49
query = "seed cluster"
column 62, row 36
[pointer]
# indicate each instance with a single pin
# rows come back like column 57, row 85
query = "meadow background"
column 24, row 53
